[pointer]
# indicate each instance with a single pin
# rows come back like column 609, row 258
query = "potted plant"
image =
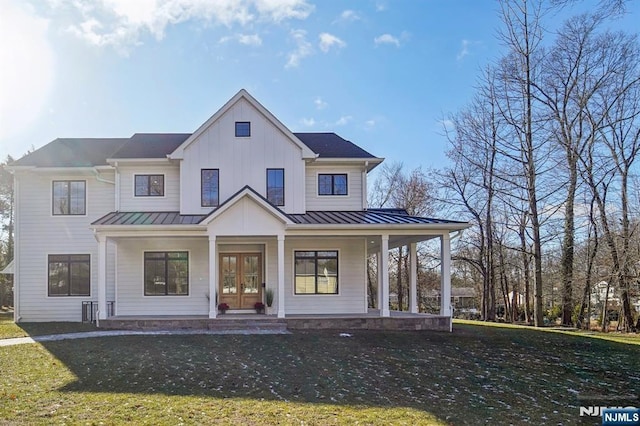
column 269, row 297
column 259, row 307
column 223, row 307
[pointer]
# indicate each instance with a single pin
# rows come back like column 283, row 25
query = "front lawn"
column 9, row 329
column 475, row 375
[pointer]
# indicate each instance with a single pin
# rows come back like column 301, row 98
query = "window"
column 243, row 129
column 166, row 273
column 149, row 185
column 210, row 179
column 316, row 272
column 69, row 197
column 275, row 186
column 335, row 184
column 69, row 274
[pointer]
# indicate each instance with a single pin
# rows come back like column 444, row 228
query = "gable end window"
column 332, row 184
column 69, row 197
column 149, row 185
column 243, row 129
column 69, row 275
column 275, row 186
column 316, row 272
column 210, row 187
column 166, row 273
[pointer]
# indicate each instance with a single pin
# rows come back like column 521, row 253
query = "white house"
column 173, row 224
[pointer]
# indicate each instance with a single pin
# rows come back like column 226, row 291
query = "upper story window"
column 149, row 185
column 69, row 197
column 275, row 186
column 332, row 184
column 69, row 274
column 243, row 129
column 210, row 187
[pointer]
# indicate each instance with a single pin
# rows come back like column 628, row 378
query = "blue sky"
column 380, row 73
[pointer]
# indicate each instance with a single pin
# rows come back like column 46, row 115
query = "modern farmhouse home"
column 173, row 225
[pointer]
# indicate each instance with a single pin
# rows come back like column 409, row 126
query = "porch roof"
column 366, row 217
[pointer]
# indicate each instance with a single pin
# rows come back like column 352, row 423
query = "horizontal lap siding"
column 40, row 234
column 351, row 278
column 350, row 202
column 131, row 299
column 171, row 200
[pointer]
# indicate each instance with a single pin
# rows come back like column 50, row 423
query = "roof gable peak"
column 178, row 153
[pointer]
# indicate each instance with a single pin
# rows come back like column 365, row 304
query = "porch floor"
column 398, row 320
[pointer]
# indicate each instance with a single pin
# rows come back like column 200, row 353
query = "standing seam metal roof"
column 369, row 217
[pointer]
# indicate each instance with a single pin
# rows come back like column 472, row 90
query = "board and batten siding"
column 39, row 233
column 169, row 202
column 351, row 297
column 130, row 281
column 241, row 161
column 350, row 202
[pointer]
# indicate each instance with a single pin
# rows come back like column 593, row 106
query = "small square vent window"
column 243, row 129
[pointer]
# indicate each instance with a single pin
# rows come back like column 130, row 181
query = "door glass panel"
column 229, row 275
column 250, row 274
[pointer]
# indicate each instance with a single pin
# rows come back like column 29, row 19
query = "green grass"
column 629, row 338
column 475, row 375
column 9, row 329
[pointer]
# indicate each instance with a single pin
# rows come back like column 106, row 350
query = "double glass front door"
column 240, row 280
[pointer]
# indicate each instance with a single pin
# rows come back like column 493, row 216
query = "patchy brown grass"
column 474, row 375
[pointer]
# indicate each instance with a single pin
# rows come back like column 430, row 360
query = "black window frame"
column 68, row 198
column 315, row 258
column 275, row 187
column 333, row 184
column 148, row 176
column 69, row 260
column 167, row 259
column 202, row 188
column 240, row 129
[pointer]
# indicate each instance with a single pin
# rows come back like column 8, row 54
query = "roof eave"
column 380, row 227
column 159, row 160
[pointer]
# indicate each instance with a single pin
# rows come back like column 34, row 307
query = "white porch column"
column 384, row 254
column 413, row 278
column 445, row 274
column 379, row 283
column 213, row 288
column 102, row 277
column 280, row 276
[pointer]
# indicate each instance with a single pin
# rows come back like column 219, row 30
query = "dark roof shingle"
column 87, row 152
column 151, row 145
column 330, row 145
column 73, row 153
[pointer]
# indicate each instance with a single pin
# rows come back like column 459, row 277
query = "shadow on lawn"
column 475, row 374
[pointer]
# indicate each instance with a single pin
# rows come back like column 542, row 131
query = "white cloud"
column 246, row 39
column 345, row 119
column 370, row 124
column 387, row 39
column 308, row 122
column 302, row 50
column 329, row 40
column 122, row 23
column 26, row 83
column 348, row 16
column 381, row 6
column 319, row 103
column 465, row 48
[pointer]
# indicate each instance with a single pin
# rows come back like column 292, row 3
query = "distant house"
column 599, row 294
column 173, row 224
column 462, row 298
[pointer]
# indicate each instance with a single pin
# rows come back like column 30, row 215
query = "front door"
column 240, row 280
